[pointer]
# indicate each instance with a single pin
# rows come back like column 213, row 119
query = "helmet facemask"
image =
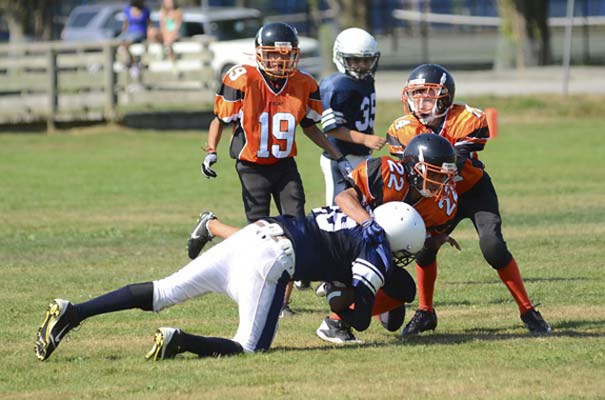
column 359, row 66
column 278, row 61
column 427, row 101
column 431, row 180
column 402, row 258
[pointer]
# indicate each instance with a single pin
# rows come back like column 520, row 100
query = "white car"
column 233, row 29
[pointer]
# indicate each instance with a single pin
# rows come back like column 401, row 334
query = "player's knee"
column 393, row 320
column 426, row 257
column 494, row 251
column 401, row 286
column 142, row 294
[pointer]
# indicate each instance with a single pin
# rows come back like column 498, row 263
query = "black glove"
column 372, row 232
column 210, row 159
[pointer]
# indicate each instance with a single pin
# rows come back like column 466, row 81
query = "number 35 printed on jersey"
column 368, row 108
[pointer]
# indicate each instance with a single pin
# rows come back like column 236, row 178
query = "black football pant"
column 261, row 182
column 480, row 205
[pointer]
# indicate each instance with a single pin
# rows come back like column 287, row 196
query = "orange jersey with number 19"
column 381, row 180
column 265, row 115
column 464, row 127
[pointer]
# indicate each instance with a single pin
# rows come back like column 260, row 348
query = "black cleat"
column 535, row 323
column 200, row 235
column 166, row 344
column 61, row 317
column 335, row 331
column 420, row 322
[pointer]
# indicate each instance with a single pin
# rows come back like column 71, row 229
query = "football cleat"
column 336, row 331
column 286, row 311
column 320, row 290
column 302, row 285
column 535, row 323
column 200, row 235
column 420, row 322
column 166, row 344
column 61, row 317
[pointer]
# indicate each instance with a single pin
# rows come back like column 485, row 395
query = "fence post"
column 52, row 89
column 110, row 80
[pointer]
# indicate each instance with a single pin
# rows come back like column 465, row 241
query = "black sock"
column 209, row 346
column 138, row 295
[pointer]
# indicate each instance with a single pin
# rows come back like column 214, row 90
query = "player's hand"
column 436, row 241
column 452, row 242
column 372, row 232
column 344, row 166
column 374, row 142
column 210, row 159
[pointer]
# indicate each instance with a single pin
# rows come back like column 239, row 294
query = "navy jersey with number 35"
column 350, row 103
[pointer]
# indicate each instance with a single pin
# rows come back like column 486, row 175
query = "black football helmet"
column 277, row 52
column 429, row 92
column 430, row 163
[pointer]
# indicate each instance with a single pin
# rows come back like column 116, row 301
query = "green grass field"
column 87, row 211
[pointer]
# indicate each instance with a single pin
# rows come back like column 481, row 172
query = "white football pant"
column 334, row 180
column 246, row 267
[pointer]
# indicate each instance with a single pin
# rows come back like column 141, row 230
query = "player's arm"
column 350, row 135
column 369, row 271
column 476, row 135
column 227, row 105
column 350, row 204
column 215, row 132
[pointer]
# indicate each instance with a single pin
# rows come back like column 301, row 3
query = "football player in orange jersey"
column 265, row 103
column 423, row 179
column 428, row 95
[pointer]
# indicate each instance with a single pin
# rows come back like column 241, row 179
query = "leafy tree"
column 28, row 18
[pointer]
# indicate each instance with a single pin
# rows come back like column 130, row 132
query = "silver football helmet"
column 356, row 53
column 404, row 228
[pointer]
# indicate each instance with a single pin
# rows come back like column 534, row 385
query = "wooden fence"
column 56, row 81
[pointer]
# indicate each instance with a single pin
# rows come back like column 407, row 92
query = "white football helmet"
column 404, row 228
column 356, row 53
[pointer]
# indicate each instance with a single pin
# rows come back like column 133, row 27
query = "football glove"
column 372, row 232
column 344, row 166
column 210, row 159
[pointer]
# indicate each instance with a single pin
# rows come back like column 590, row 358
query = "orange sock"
column 426, row 278
column 335, row 316
column 384, row 302
column 511, row 277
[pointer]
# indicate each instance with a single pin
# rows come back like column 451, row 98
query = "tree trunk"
column 354, row 13
column 524, row 36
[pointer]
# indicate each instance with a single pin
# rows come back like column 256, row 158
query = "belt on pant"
column 276, row 238
column 276, row 233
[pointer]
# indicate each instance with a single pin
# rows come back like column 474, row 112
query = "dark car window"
column 114, row 22
column 81, row 19
column 231, row 29
column 193, row 28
